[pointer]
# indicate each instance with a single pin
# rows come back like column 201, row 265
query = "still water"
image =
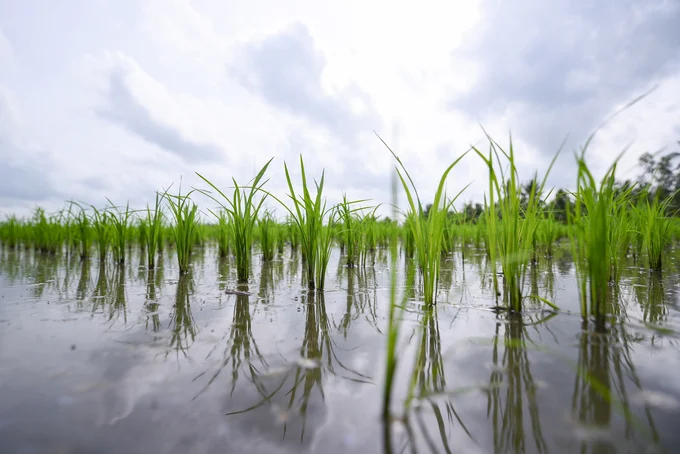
column 101, row 358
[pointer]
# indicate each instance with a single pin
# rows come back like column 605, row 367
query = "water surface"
column 101, row 358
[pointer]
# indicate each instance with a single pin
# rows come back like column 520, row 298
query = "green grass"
column 242, row 209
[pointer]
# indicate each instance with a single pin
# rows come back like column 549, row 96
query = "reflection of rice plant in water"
column 604, row 377
column 181, row 321
column 242, row 209
column 512, row 391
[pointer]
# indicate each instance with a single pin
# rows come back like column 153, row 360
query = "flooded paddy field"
column 104, row 358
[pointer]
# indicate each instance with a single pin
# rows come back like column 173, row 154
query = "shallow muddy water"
column 98, row 358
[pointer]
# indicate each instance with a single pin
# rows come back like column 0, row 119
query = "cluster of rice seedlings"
column 427, row 230
column 599, row 234
column 185, row 214
column 10, row 232
column 242, row 209
column 153, row 223
column 102, row 230
column 83, row 226
column 268, row 236
column 223, row 230
column 409, row 240
column 350, row 231
column 47, row 232
column 119, row 220
column 652, row 228
column 510, row 223
column 308, row 215
column 549, row 231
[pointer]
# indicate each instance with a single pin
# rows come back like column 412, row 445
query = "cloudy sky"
column 119, row 98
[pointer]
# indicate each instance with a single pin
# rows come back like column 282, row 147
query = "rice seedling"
column 308, row 217
column 65, row 221
column 223, row 230
column 427, row 230
column 185, row 214
column 267, row 228
column 84, row 232
column 102, row 229
column 142, row 233
column 653, row 226
column 599, row 232
column 11, row 232
column 351, row 230
column 510, row 223
column 242, row 209
column 154, row 223
column 47, row 230
column 120, row 222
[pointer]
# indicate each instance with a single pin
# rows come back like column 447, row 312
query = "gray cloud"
column 127, row 112
column 286, row 69
column 562, row 66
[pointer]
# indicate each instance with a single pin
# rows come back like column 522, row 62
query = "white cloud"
column 154, row 90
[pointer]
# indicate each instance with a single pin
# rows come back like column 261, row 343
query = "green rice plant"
column 142, row 233
column 394, row 320
column 120, row 222
column 510, row 222
column 11, row 232
column 83, row 225
column 351, row 230
column 308, row 217
column 185, row 214
column 654, row 227
column 292, row 234
column 427, row 229
column 223, row 230
column 47, row 232
column 548, row 231
column 103, row 232
column 242, row 210
column 65, row 219
column 369, row 236
column 599, row 230
column 267, row 227
column 409, row 237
